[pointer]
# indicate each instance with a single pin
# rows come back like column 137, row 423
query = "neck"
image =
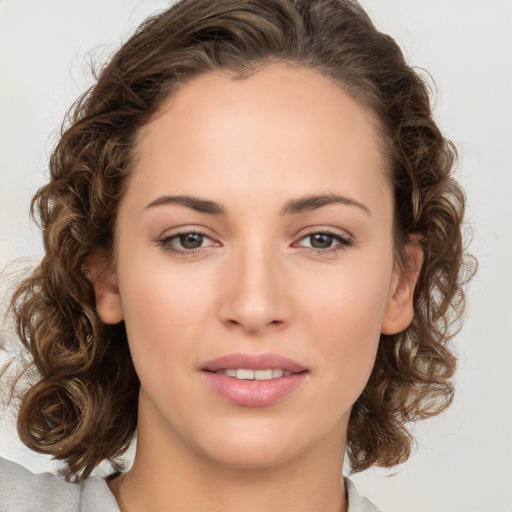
column 169, row 475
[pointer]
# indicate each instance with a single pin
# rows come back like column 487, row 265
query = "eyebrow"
column 309, row 203
column 293, row 207
column 194, row 203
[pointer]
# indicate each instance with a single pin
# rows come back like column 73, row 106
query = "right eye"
column 186, row 242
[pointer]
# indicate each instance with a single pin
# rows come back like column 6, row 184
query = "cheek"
column 164, row 310
column 344, row 317
column 349, row 299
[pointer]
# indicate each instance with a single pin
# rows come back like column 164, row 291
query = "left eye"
column 321, row 241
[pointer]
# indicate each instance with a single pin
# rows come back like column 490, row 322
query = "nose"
column 256, row 296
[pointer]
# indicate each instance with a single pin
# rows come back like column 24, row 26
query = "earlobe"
column 106, row 291
column 399, row 311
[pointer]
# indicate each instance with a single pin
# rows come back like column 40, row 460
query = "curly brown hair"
column 83, row 407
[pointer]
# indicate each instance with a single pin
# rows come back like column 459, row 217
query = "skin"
column 255, row 285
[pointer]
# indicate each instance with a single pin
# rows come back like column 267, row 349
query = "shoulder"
column 356, row 502
column 23, row 491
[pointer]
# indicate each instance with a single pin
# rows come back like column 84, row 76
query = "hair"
column 82, row 408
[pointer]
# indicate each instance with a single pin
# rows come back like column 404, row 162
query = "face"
column 254, row 267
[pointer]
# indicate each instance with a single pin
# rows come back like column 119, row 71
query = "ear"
column 106, row 291
column 399, row 311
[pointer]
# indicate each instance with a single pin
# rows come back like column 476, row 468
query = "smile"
column 254, row 380
column 247, row 374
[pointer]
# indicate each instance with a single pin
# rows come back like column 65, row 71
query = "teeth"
column 263, row 374
column 245, row 374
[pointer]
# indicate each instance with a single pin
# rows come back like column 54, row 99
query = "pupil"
column 191, row 240
column 321, row 241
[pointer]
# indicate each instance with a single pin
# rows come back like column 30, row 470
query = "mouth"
column 248, row 374
column 254, row 380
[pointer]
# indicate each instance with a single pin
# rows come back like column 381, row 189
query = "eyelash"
column 343, row 242
column 165, row 242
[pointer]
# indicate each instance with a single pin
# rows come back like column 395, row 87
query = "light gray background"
column 464, row 458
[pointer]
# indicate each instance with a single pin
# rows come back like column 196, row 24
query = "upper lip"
column 254, row 362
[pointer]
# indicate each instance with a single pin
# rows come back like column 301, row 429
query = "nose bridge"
column 256, row 298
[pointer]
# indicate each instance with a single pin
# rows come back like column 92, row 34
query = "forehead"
column 281, row 127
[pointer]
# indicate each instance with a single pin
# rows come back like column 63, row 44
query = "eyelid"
column 186, row 228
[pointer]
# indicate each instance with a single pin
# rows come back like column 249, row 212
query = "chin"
column 256, row 446
column 246, row 457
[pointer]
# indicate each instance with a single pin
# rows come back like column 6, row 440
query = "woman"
column 253, row 258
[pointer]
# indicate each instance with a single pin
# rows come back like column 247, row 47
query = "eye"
column 324, row 241
column 190, row 240
column 186, row 242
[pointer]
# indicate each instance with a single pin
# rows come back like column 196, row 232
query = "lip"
column 254, row 393
column 254, row 362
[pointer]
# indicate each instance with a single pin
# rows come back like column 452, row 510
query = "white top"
column 23, row 491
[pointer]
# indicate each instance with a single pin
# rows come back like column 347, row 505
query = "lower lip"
column 253, row 393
